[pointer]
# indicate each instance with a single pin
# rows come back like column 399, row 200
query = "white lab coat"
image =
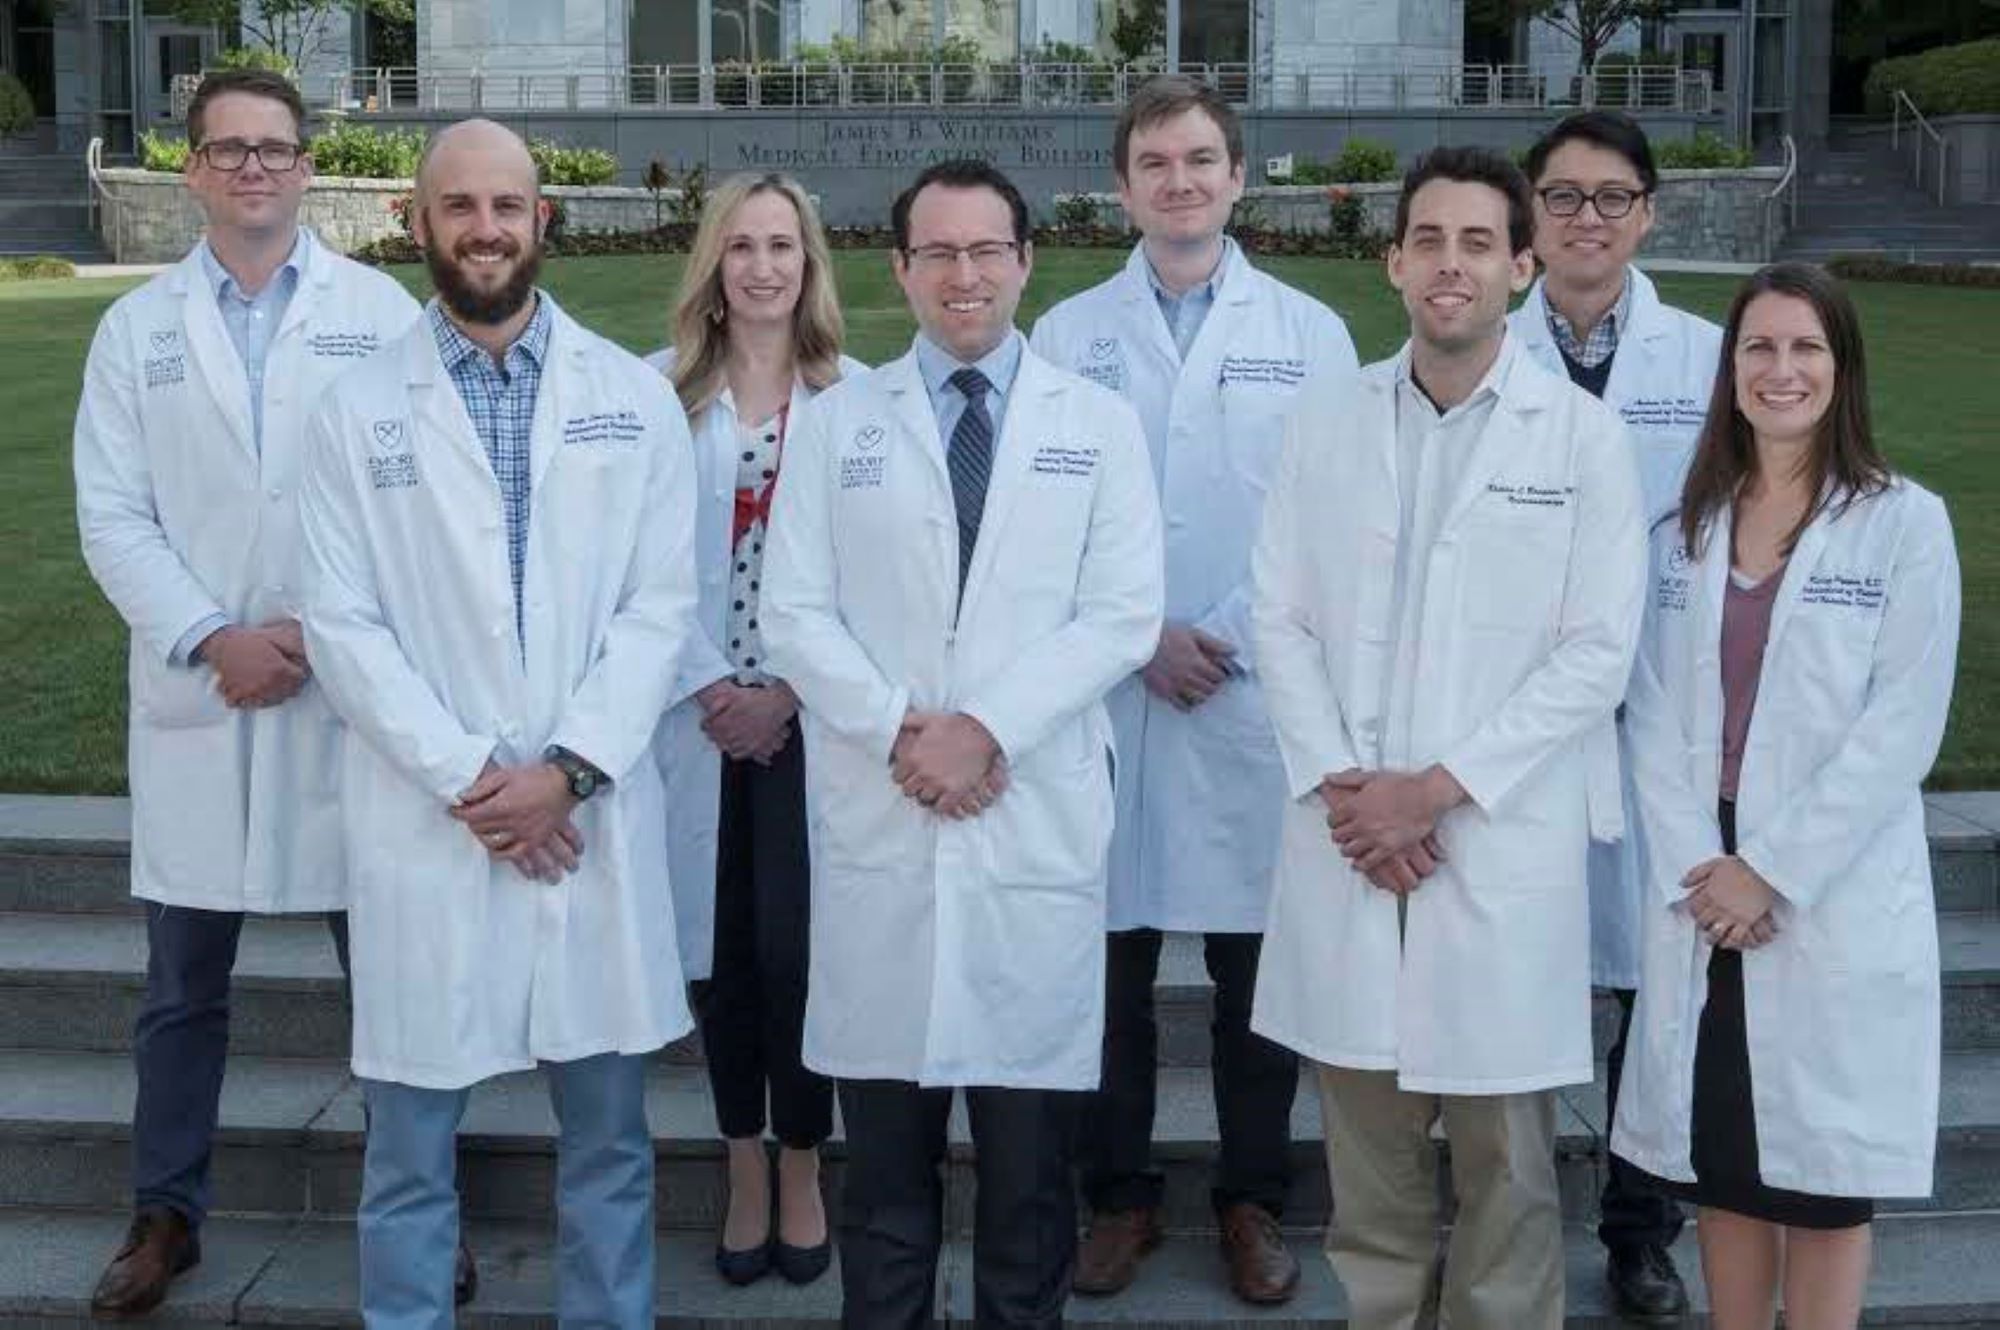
column 1842, row 1006
column 184, row 517
column 972, row 952
column 1661, row 379
column 690, row 763
column 1199, row 792
column 463, row 968
column 1531, row 609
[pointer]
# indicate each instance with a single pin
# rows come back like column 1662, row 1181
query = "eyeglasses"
column 988, row 254
column 1611, row 202
column 232, row 154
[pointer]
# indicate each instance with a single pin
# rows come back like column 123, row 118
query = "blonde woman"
column 757, row 332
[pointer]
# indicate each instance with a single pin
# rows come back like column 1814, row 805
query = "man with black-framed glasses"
column 1597, row 318
column 189, row 442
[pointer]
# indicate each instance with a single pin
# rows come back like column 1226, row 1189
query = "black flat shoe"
column 801, row 1265
column 743, row 1267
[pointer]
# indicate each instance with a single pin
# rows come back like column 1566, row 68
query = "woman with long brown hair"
column 1790, row 693
column 757, row 332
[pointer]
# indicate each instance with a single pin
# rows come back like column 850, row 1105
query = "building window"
column 665, row 32
column 744, row 30
column 993, row 26
column 35, row 52
column 1215, row 32
column 896, row 24
column 1130, row 31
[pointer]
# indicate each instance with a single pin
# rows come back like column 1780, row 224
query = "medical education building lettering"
column 917, row 141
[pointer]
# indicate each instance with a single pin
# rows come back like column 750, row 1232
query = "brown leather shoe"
column 464, row 1276
column 158, row 1246
column 1262, row 1269
column 1108, row 1259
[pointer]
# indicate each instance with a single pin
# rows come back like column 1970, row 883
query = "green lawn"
column 62, row 678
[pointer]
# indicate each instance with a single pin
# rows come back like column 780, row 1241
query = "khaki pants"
column 1503, row 1267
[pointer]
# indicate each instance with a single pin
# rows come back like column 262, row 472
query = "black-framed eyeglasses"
column 1611, row 202
column 231, row 154
column 985, row 254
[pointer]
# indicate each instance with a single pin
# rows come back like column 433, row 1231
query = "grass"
column 62, row 650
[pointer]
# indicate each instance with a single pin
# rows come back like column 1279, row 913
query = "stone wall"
column 1719, row 216
column 151, row 218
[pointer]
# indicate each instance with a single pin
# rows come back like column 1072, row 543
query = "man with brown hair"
column 1211, row 352
column 189, row 446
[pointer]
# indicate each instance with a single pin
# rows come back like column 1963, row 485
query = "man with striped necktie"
column 963, row 559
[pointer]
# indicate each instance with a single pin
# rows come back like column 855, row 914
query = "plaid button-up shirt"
column 1597, row 348
column 500, row 399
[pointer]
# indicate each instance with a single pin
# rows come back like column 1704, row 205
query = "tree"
column 1140, row 30
column 293, row 29
column 1591, row 24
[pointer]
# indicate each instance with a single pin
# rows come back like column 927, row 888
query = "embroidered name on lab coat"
column 1065, row 459
column 391, row 464
column 1845, row 590
column 603, row 429
column 1282, row 371
column 168, row 363
column 332, row 345
column 1533, row 496
column 1672, row 590
column 1664, row 412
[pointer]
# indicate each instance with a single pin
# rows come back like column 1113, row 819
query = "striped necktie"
column 970, row 461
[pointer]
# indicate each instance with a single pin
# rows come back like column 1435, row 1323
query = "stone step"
column 61, row 854
column 289, row 1142
column 1930, row 1272
column 75, row 981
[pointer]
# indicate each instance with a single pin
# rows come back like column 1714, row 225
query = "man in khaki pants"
column 1447, row 595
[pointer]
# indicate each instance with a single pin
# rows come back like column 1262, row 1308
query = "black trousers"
column 892, row 1205
column 1633, row 1212
column 1255, row 1081
column 752, row 1008
column 180, row 1046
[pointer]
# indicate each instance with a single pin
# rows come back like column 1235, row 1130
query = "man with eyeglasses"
column 963, row 560
column 188, row 451
column 1597, row 318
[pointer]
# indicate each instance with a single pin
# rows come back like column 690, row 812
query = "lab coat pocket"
column 1253, row 420
column 859, row 818
column 1512, row 571
column 166, row 696
column 1052, row 825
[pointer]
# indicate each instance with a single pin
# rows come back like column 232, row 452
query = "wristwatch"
column 584, row 779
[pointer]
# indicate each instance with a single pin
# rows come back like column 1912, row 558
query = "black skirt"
column 1724, row 1146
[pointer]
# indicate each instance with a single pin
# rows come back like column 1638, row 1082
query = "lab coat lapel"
column 1376, row 424
column 208, row 342
column 1801, row 566
column 1020, row 435
column 1136, row 292
column 1523, row 397
column 435, row 407
column 315, row 275
column 562, row 361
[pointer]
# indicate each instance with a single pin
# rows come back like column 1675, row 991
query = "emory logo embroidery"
column 868, row 438
column 388, row 437
column 165, row 340
column 1102, row 348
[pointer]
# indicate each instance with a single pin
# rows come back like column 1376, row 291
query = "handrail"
column 93, row 165
column 1899, row 101
column 1787, row 189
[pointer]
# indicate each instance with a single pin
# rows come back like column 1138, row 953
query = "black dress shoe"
column 159, row 1246
column 1646, row 1286
column 802, row 1265
column 743, row 1267
column 464, row 1276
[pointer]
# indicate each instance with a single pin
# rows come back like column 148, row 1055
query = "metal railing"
column 1028, row 85
column 1925, row 129
column 1785, row 194
column 103, row 207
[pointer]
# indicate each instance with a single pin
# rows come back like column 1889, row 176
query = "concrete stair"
column 288, row 1148
column 45, row 207
column 1857, row 197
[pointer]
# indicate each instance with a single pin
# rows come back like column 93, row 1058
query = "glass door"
column 172, row 51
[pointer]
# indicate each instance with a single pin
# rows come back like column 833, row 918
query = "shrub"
column 37, row 265
column 1869, row 268
column 1350, row 236
column 572, row 166
column 1706, row 151
column 1074, row 212
column 256, row 57
column 1949, row 80
column 363, row 152
column 1363, row 161
column 158, row 152
column 17, row 108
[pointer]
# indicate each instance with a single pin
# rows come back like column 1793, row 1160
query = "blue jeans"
column 408, row 1219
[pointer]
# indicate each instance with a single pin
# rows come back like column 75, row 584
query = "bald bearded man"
column 510, row 904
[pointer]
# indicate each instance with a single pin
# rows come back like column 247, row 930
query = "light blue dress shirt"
column 1186, row 312
column 252, row 323
column 999, row 365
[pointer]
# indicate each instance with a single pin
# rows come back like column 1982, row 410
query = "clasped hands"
column 1730, row 903
column 748, row 724
column 257, row 667
column 948, row 762
column 1385, row 822
column 1188, row 666
column 522, row 815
